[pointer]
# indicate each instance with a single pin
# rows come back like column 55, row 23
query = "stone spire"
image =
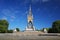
column 30, row 11
column 30, row 16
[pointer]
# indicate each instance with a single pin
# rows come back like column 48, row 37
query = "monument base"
column 30, row 31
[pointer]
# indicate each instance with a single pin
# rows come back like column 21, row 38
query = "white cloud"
column 7, row 12
column 13, row 17
column 45, row 0
column 35, row 1
column 4, row 18
column 24, row 2
column 38, row 9
column 26, row 12
column 12, row 20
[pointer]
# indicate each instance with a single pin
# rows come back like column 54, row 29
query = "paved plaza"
column 15, row 36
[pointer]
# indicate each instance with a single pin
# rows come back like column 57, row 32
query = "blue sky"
column 44, row 11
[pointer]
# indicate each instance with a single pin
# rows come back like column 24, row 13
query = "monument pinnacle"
column 30, row 11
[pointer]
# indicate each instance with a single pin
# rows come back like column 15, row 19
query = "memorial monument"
column 30, row 26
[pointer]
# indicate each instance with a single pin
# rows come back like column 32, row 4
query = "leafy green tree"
column 3, row 26
column 10, row 31
column 50, row 30
column 38, row 30
column 17, row 29
column 55, row 27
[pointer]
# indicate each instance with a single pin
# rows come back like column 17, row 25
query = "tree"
column 3, row 26
column 10, row 31
column 55, row 27
column 38, row 30
column 17, row 29
column 50, row 30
